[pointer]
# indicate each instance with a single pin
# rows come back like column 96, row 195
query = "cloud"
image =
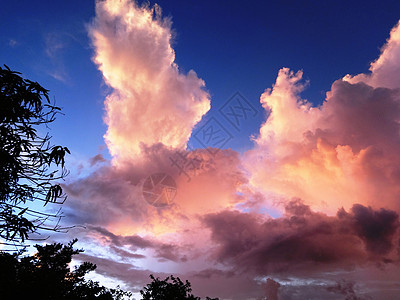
column 375, row 228
column 385, row 70
column 112, row 197
column 118, row 220
column 13, row 43
column 103, row 198
column 134, row 277
column 97, row 159
column 229, row 286
column 304, row 241
column 329, row 155
column 133, row 241
column 163, row 251
column 55, row 44
column 152, row 101
column 333, row 170
column 345, row 288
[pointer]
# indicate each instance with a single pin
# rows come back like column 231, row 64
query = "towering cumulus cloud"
column 338, row 154
column 152, row 102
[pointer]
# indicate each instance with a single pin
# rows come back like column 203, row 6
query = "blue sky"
column 233, row 46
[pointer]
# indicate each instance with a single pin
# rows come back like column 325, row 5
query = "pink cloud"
column 330, row 155
column 152, row 101
column 304, row 241
column 339, row 158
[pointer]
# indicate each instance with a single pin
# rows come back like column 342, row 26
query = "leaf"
column 22, row 211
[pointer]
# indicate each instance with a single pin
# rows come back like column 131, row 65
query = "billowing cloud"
column 152, row 101
column 332, row 169
column 113, row 197
column 303, row 240
column 340, row 153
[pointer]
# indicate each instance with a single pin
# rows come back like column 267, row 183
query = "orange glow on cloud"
column 152, row 101
column 343, row 153
column 327, row 156
column 340, row 153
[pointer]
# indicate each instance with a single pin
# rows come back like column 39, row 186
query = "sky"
column 249, row 147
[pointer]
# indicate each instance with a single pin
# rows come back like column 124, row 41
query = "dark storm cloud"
column 375, row 227
column 304, row 240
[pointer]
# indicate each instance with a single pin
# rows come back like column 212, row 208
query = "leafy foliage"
column 47, row 275
column 29, row 165
column 171, row 288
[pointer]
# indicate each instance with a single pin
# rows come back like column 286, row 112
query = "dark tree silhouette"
column 47, row 275
column 171, row 288
column 30, row 166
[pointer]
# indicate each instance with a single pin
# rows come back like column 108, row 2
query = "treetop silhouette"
column 30, row 166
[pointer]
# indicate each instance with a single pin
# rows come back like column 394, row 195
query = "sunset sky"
column 278, row 124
